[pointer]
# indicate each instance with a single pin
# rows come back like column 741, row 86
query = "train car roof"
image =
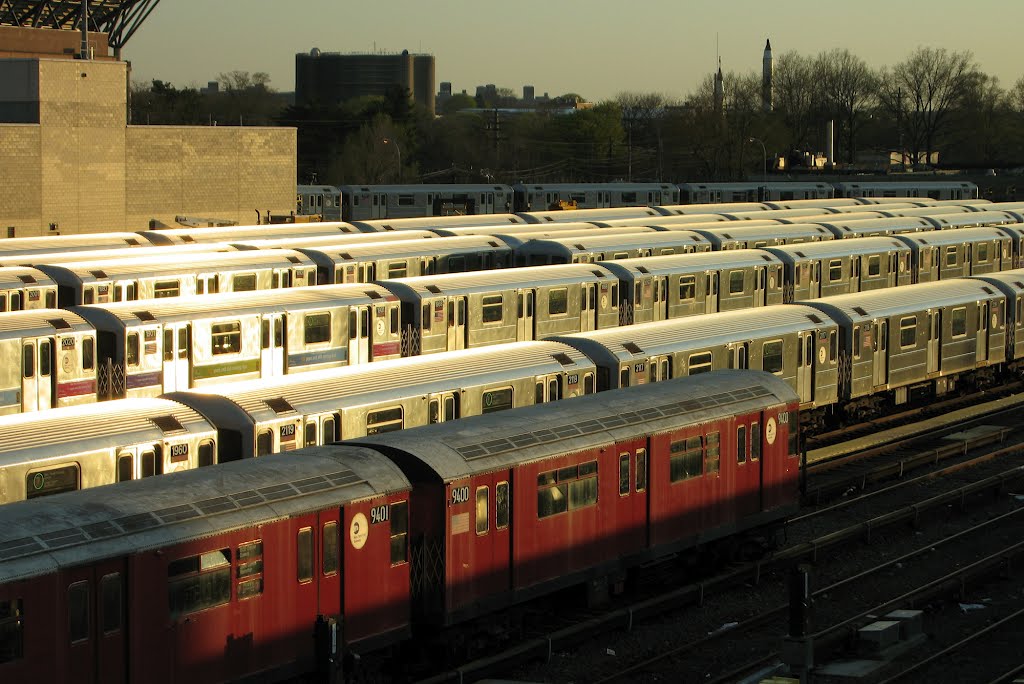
column 838, row 216
column 862, row 206
column 480, row 444
column 335, row 388
column 954, row 237
column 977, row 218
column 667, row 222
column 426, row 187
column 587, row 214
column 435, row 222
column 42, row 436
column 710, row 207
column 925, row 211
column 234, row 233
column 61, row 243
column 905, row 184
column 615, row 345
column 78, row 528
column 38, row 322
column 822, row 202
column 746, row 231
column 517, row 229
column 915, row 201
column 669, row 264
column 169, row 252
column 865, row 306
column 155, row 266
column 499, row 278
column 409, row 248
column 846, row 226
column 1010, row 282
column 603, row 239
column 516, row 240
column 618, row 185
column 837, row 248
column 234, row 303
column 332, row 239
column 22, row 276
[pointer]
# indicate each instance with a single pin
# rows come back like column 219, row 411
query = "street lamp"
column 389, row 141
column 764, row 159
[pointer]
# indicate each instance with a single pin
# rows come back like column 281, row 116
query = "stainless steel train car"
column 260, row 418
column 74, row 448
column 659, row 288
column 438, row 223
column 343, row 239
column 833, row 216
column 918, row 338
column 47, row 360
column 710, row 208
column 10, row 248
column 830, row 203
column 159, row 346
column 230, row 234
column 172, row 253
column 606, row 245
column 695, row 193
column 518, row 229
column 791, row 214
column 542, row 197
column 945, row 254
column 465, row 310
column 829, row 268
column 747, row 236
column 360, row 202
column 1011, row 285
column 976, row 219
column 794, row 342
column 367, row 262
column 939, row 190
column 843, row 228
column 557, row 216
column 127, row 279
column 23, row 288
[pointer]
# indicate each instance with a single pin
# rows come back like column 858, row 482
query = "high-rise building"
column 332, row 77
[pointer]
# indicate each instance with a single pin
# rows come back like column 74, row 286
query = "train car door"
column 177, row 356
column 880, row 362
column 739, row 355
column 456, row 323
column 37, row 378
column 272, row 352
column 442, row 407
column 125, row 291
column 660, row 299
column 934, row 340
column 805, row 366
column 854, row 274
column 380, row 205
column 983, row 330
column 525, row 322
column 94, row 604
column 359, row 334
column 367, row 272
column 328, row 569
column 814, row 279
column 588, row 307
column 760, row 291
column 711, row 294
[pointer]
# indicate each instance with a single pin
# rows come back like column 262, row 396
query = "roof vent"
column 279, row 405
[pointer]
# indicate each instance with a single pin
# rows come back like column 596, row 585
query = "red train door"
column 95, row 627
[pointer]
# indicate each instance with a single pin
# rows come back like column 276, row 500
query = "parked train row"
column 142, row 348
column 357, row 202
column 845, row 357
column 273, row 567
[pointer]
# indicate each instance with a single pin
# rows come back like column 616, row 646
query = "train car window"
column 29, row 361
column 711, row 456
column 496, row 400
column 456, row 264
column 874, row 265
column 110, row 603
column 330, row 547
column 150, row 462
column 652, row 374
column 982, row 252
column 483, row 506
column 623, row 474
column 558, row 301
column 741, row 444
column 265, row 334
column 755, row 441
column 856, row 342
column 908, row 332
column 226, row 338
column 206, row 453
column 384, row 420
column 244, row 282
column 317, row 328
column 699, row 363
column 45, row 355
column 249, row 572
column 51, row 300
column 685, row 459
column 310, row 436
column 637, row 294
column 433, row 412
column 393, row 314
column 958, row 321
column 199, row 582
column 451, row 407
column 399, row 515
column 168, row 345
column 406, row 200
column 641, row 470
column 166, row 288
column 583, row 492
column 304, row 551
column 736, row 282
column 329, row 428
column 554, row 391
column 951, row 255
column 624, row 377
column 833, row 346
column 771, row 356
column 501, row 506
column 11, row 630
column 264, row 442
column 88, row 296
column 835, row 270
column 3, row 303
column 352, row 325
column 538, row 396
column 124, row 468
column 78, row 612
column 491, row 308
column 52, row 481
column 588, row 383
column 398, row 269
column 425, row 318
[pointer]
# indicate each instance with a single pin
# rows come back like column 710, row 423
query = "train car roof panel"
column 486, row 281
column 865, row 306
column 39, row 322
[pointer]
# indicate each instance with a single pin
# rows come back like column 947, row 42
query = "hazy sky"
column 596, row 48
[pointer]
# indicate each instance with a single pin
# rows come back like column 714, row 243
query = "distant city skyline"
column 595, row 48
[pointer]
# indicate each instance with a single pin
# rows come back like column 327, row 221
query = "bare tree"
column 847, row 86
column 924, row 90
column 640, row 115
column 796, row 96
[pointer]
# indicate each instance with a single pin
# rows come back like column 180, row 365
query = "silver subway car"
column 604, row 245
column 744, row 236
column 266, row 417
column 74, row 448
column 47, row 360
column 23, row 288
column 945, row 254
column 836, row 267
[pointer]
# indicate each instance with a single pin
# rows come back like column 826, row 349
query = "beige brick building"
column 69, row 163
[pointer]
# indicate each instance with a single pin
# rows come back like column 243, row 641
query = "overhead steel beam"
column 119, row 19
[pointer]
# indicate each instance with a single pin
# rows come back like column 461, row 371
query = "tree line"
column 936, row 104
